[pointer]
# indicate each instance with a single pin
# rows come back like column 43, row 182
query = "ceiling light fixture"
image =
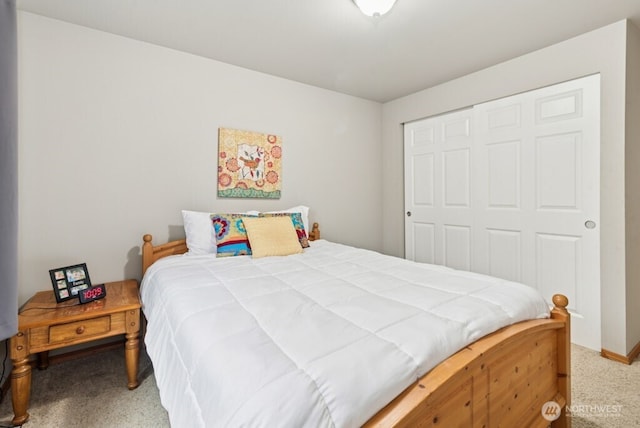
column 374, row 7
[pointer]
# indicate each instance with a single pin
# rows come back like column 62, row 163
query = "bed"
column 254, row 342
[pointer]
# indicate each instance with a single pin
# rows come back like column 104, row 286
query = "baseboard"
column 626, row 359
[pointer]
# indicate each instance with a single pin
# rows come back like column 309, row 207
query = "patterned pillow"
column 231, row 236
column 296, row 218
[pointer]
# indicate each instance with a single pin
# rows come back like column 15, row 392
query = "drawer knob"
column 80, row 329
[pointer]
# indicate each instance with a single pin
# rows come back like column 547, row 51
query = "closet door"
column 437, row 160
column 533, row 216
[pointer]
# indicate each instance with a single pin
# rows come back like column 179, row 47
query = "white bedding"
column 320, row 339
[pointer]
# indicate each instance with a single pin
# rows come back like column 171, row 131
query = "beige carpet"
column 605, row 393
column 92, row 393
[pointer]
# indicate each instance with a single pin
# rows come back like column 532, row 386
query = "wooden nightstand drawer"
column 75, row 330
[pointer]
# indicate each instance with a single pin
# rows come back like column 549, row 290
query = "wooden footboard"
column 501, row 380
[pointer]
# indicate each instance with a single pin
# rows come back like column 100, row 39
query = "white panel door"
column 533, row 212
column 438, row 190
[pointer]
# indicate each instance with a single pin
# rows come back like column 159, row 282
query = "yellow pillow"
column 271, row 236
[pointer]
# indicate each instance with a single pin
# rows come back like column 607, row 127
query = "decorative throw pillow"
column 272, row 236
column 199, row 233
column 296, row 219
column 231, row 235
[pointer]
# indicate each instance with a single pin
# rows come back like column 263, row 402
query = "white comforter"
column 320, row 339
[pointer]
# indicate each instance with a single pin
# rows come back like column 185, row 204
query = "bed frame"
column 503, row 379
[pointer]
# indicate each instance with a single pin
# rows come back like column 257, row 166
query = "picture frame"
column 69, row 280
column 249, row 164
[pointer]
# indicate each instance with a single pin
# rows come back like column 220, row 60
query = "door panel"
column 456, row 178
column 504, row 254
column 437, row 153
column 559, row 172
column 508, row 187
column 423, row 179
column 425, row 235
column 457, row 246
column 558, row 268
column 503, row 169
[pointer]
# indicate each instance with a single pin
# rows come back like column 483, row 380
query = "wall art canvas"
column 249, row 164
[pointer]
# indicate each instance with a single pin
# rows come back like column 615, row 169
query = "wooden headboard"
column 151, row 253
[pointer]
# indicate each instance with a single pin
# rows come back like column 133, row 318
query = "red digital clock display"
column 92, row 293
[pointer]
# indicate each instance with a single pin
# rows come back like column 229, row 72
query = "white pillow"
column 303, row 210
column 201, row 238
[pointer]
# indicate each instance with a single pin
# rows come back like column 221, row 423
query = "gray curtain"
column 8, row 170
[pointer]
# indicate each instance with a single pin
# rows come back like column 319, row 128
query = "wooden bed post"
column 147, row 252
column 315, row 232
column 560, row 313
column 151, row 253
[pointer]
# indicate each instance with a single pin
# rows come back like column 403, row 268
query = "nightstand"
column 44, row 325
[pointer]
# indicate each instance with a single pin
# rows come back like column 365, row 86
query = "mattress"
column 325, row 338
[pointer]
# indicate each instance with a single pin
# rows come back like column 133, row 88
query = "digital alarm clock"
column 92, row 293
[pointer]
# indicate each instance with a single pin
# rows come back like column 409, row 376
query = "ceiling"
column 330, row 44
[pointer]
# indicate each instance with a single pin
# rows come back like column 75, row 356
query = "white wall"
column 600, row 51
column 632, row 161
column 117, row 136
